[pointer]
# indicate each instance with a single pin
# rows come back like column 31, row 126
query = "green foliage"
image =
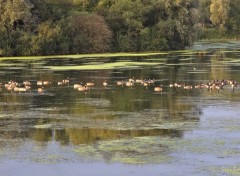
column 233, row 23
column 219, row 10
column 204, row 12
column 50, row 27
column 140, row 25
column 48, row 39
column 220, row 20
column 88, row 33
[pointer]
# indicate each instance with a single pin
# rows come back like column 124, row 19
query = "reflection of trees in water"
column 90, row 135
column 121, row 99
column 173, row 105
column 219, row 70
column 84, row 135
column 41, row 135
column 12, row 103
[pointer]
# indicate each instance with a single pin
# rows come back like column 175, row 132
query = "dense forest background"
column 50, row 27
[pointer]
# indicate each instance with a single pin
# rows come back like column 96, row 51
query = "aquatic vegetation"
column 103, row 66
column 138, row 150
column 82, row 56
column 232, row 170
column 43, row 126
column 97, row 102
column 197, row 127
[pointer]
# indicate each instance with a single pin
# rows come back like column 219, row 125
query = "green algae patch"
column 232, row 170
column 44, row 126
column 79, row 56
column 180, row 64
column 231, row 61
column 185, row 51
column 10, row 64
column 103, row 66
column 198, row 72
column 138, row 150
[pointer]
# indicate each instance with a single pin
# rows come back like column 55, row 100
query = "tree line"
column 50, row 27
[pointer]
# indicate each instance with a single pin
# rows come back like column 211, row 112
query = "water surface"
column 121, row 130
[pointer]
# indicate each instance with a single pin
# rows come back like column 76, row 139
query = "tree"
column 15, row 14
column 16, row 22
column 233, row 23
column 89, row 33
column 204, row 12
column 48, row 40
column 134, row 23
column 126, row 20
column 219, row 10
column 41, row 27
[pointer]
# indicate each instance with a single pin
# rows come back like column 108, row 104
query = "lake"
column 190, row 125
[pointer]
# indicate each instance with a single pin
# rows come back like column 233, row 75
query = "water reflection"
column 88, row 135
column 112, row 112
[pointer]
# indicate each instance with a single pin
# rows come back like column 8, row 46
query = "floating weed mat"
column 44, row 126
column 10, row 64
column 78, row 56
column 163, row 59
column 103, row 66
column 184, row 51
column 198, row 71
column 184, row 64
column 232, row 61
column 233, row 51
column 155, row 149
column 232, row 170
column 138, row 150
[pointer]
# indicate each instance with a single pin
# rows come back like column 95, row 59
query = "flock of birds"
column 212, row 85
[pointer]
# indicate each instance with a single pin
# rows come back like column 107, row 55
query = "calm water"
column 120, row 130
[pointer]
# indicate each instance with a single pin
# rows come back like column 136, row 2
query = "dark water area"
column 190, row 126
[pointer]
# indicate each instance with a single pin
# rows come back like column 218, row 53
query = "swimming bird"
column 120, row 83
column 83, row 88
column 140, row 81
column 171, row 85
column 187, row 87
column 129, row 84
column 66, row 81
column 46, row 83
column 28, row 87
column 145, row 84
column 63, row 82
column 22, row 89
column 90, row 84
column 16, row 89
column 131, row 80
column 60, row 83
column 76, row 86
column 105, row 83
column 233, row 84
column 40, row 90
column 27, row 83
column 158, row 89
column 39, row 83
column 151, row 81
